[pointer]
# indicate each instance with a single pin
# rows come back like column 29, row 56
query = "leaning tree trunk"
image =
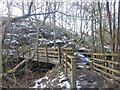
column 32, row 57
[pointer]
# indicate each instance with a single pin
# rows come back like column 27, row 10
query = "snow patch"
column 77, row 54
column 58, row 40
column 66, row 84
column 64, row 78
column 81, row 63
column 82, row 59
column 14, row 41
column 39, row 84
column 78, row 84
column 80, row 66
column 54, row 79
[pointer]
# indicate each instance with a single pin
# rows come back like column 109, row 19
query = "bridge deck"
column 44, row 59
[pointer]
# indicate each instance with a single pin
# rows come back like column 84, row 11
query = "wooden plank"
column 73, row 70
column 113, row 70
column 106, row 54
column 41, row 51
column 67, row 52
column 64, row 60
column 59, row 56
column 70, row 56
column 46, row 54
column 52, row 48
column 64, row 54
column 69, row 64
column 106, row 61
column 67, row 48
column 53, row 55
column 69, row 71
column 66, row 65
column 112, row 76
column 46, row 61
column 102, row 54
column 41, row 54
column 52, row 51
column 41, row 48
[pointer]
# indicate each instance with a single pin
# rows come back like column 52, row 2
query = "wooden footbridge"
column 106, row 64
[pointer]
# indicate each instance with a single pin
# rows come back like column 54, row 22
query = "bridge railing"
column 49, row 53
column 106, row 63
column 69, row 64
column 67, row 61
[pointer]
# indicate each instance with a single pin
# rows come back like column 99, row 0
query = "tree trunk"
column 100, row 29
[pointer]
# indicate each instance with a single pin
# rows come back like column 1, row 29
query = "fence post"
column 113, row 66
column 59, row 57
column 73, row 70
column 91, row 63
column 37, row 53
column 65, row 65
column 106, row 64
column 46, row 54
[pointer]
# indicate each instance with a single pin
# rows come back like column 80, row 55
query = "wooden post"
column 59, row 57
column 37, row 55
column 91, row 63
column 65, row 65
column 62, row 59
column 106, row 65
column 113, row 65
column 46, row 54
column 73, row 70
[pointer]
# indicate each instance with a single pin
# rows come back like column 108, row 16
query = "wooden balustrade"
column 69, row 63
column 107, row 63
column 107, row 66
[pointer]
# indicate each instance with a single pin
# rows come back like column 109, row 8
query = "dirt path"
column 89, row 79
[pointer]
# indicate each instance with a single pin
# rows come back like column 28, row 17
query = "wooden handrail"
column 101, row 54
column 69, row 61
column 72, row 70
column 111, row 69
column 112, row 76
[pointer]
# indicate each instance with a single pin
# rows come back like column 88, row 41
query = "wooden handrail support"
column 59, row 55
column 73, row 70
column 108, row 65
column 69, row 62
column 72, row 66
column 46, row 54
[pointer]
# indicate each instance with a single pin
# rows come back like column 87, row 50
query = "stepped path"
column 89, row 70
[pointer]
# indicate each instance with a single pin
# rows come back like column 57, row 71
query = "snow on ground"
column 84, row 63
column 14, row 41
column 39, row 84
column 66, row 84
column 63, row 78
column 58, row 40
column 77, row 54
column 78, row 84
column 59, row 80
column 80, row 66
column 82, row 59
column 43, row 39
